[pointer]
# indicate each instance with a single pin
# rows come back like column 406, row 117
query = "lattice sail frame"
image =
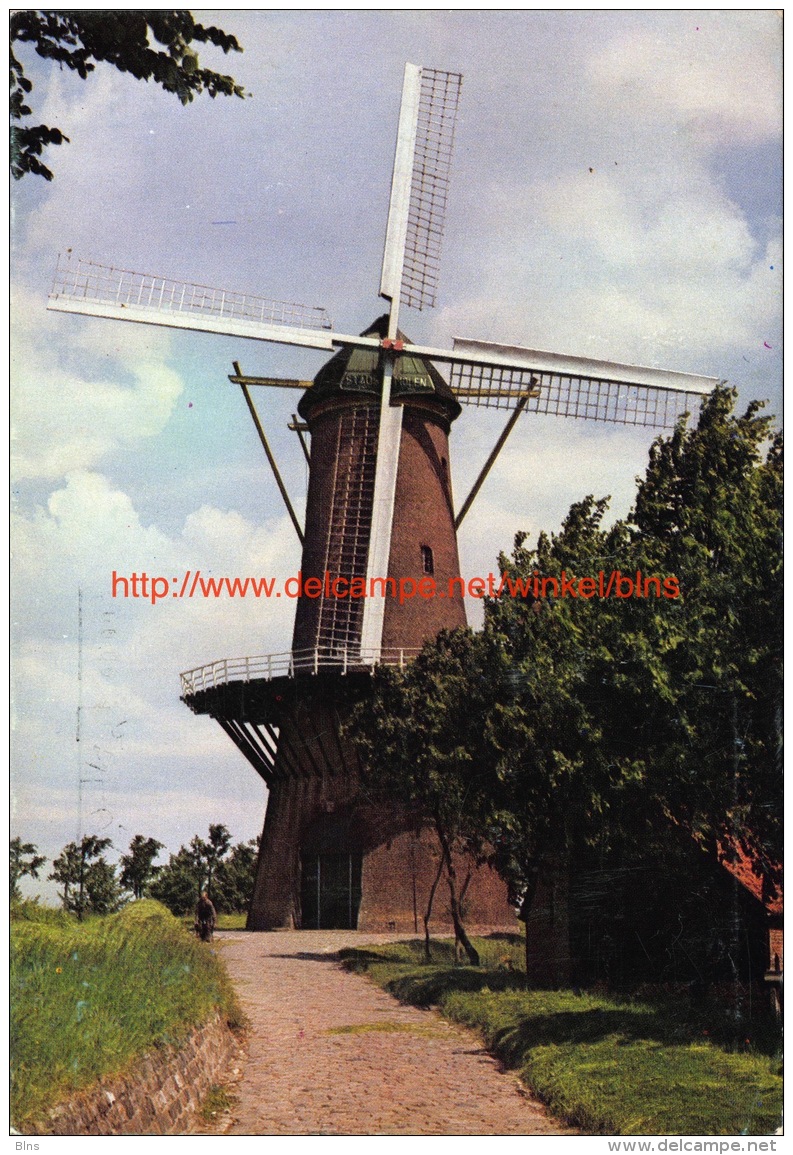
column 588, row 398
column 78, row 280
column 437, row 114
column 480, row 374
column 419, row 188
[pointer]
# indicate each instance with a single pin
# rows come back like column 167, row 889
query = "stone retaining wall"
column 161, row 1095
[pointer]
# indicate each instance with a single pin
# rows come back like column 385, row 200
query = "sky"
column 615, row 193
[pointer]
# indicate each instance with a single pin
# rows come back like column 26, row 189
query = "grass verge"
column 234, row 921
column 608, row 1066
column 88, row 998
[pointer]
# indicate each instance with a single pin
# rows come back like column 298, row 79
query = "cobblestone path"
column 331, row 1054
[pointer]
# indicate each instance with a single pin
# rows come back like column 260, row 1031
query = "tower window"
column 427, row 560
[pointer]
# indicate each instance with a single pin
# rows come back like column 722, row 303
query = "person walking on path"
column 205, row 918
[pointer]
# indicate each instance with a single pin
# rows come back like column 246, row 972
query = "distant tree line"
column 92, row 885
column 619, row 735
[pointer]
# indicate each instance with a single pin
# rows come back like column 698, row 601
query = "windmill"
column 379, row 508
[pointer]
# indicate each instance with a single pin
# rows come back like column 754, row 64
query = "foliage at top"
column 125, row 38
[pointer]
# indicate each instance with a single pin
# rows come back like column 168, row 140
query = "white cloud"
column 718, row 78
column 646, row 260
column 133, row 650
column 87, row 206
column 83, row 390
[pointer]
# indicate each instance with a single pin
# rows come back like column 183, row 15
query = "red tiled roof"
column 739, row 865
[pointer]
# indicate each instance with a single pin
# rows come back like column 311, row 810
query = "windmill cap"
column 354, row 370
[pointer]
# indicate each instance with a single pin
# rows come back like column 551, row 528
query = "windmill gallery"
column 379, row 506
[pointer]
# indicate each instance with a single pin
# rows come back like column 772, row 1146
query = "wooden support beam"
column 268, row 451
column 284, row 751
column 275, row 382
column 321, row 744
column 521, row 405
column 305, row 743
column 465, row 391
column 300, row 427
column 235, row 730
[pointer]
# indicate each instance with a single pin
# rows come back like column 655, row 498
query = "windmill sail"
column 569, row 396
column 574, row 386
column 389, row 440
column 411, row 261
column 419, row 187
column 493, row 376
column 86, row 287
column 401, row 182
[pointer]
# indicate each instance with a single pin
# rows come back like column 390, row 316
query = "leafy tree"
column 206, row 865
column 709, row 510
column 235, row 877
column 636, row 714
column 79, row 40
column 211, row 853
column 23, row 860
column 66, row 870
column 179, row 883
column 419, row 735
column 103, row 894
column 552, row 782
column 137, row 867
column 89, row 881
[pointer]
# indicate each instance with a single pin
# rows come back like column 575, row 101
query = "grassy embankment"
column 88, row 998
column 606, row 1065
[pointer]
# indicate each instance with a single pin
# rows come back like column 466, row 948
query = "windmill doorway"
column 330, row 891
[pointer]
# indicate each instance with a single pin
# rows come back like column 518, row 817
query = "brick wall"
column 398, row 874
column 423, row 515
column 160, row 1095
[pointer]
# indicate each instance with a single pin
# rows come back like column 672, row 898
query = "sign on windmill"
column 379, row 509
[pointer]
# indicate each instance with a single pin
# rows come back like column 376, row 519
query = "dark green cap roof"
column 354, row 370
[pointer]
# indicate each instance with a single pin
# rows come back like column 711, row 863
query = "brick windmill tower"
column 379, row 510
column 330, row 856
